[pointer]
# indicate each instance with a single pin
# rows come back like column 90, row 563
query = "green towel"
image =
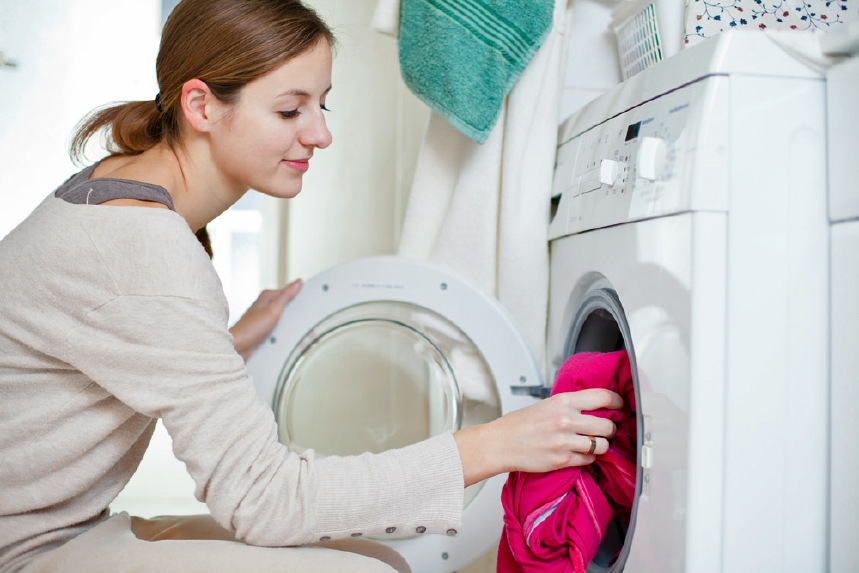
column 461, row 57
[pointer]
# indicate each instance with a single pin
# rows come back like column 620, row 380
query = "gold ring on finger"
column 593, row 447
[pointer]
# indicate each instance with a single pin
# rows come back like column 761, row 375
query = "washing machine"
column 382, row 352
column 843, row 117
column 690, row 228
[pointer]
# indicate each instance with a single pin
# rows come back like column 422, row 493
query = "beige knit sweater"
column 111, row 317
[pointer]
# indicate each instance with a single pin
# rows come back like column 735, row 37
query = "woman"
column 112, row 316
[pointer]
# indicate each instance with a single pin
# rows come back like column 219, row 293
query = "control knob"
column 651, row 158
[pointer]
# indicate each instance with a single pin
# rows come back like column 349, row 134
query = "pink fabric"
column 555, row 521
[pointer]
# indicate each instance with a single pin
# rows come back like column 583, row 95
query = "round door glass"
column 378, row 376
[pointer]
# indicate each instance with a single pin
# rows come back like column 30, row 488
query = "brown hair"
column 225, row 43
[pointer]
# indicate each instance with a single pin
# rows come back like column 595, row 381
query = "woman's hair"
column 226, row 44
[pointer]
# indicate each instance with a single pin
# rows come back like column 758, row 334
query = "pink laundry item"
column 555, row 521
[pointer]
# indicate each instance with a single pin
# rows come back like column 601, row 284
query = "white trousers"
column 196, row 544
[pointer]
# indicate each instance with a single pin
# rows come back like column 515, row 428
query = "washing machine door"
column 382, row 352
column 599, row 324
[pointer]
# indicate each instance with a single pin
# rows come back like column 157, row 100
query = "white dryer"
column 842, row 91
column 690, row 228
column 382, row 352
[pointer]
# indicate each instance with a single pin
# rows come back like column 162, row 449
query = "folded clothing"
column 555, row 521
column 461, row 57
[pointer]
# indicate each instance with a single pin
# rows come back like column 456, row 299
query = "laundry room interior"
column 671, row 183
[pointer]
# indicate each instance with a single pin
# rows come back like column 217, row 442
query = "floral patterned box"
column 706, row 18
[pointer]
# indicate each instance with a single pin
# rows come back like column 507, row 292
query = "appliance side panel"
column 704, row 533
column 844, row 429
column 777, row 396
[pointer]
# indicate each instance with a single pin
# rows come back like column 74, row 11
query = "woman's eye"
column 324, row 108
column 290, row 114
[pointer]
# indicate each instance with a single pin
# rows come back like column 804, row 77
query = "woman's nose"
column 316, row 132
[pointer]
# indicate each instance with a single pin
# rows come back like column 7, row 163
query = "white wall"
column 354, row 195
column 592, row 61
column 72, row 56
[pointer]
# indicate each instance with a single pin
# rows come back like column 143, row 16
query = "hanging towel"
column 483, row 209
column 461, row 57
column 555, row 521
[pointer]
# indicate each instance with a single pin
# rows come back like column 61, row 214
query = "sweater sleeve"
column 172, row 357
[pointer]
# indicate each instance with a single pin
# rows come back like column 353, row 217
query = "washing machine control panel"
column 654, row 159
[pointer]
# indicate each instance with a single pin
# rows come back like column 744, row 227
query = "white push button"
column 609, row 171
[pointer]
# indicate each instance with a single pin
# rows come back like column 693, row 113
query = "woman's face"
column 266, row 139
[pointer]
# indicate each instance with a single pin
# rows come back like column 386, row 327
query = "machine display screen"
column 632, row 131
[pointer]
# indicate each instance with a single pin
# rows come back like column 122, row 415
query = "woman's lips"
column 300, row 165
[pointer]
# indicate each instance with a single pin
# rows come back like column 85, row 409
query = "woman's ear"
column 196, row 104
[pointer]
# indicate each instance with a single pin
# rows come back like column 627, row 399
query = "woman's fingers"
column 554, row 433
column 587, row 424
column 589, row 444
column 275, row 300
column 285, row 295
column 260, row 319
column 270, row 304
column 575, row 408
column 594, row 399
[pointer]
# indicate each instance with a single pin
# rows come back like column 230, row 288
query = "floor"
column 485, row 564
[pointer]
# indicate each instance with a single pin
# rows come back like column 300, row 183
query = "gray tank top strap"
column 81, row 190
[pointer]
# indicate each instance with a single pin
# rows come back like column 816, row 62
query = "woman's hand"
column 546, row 436
column 260, row 319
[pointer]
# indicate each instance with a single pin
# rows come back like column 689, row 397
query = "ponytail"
column 128, row 128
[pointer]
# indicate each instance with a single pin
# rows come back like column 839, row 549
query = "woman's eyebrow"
column 300, row 92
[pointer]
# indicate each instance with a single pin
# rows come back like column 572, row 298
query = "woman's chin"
column 281, row 191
